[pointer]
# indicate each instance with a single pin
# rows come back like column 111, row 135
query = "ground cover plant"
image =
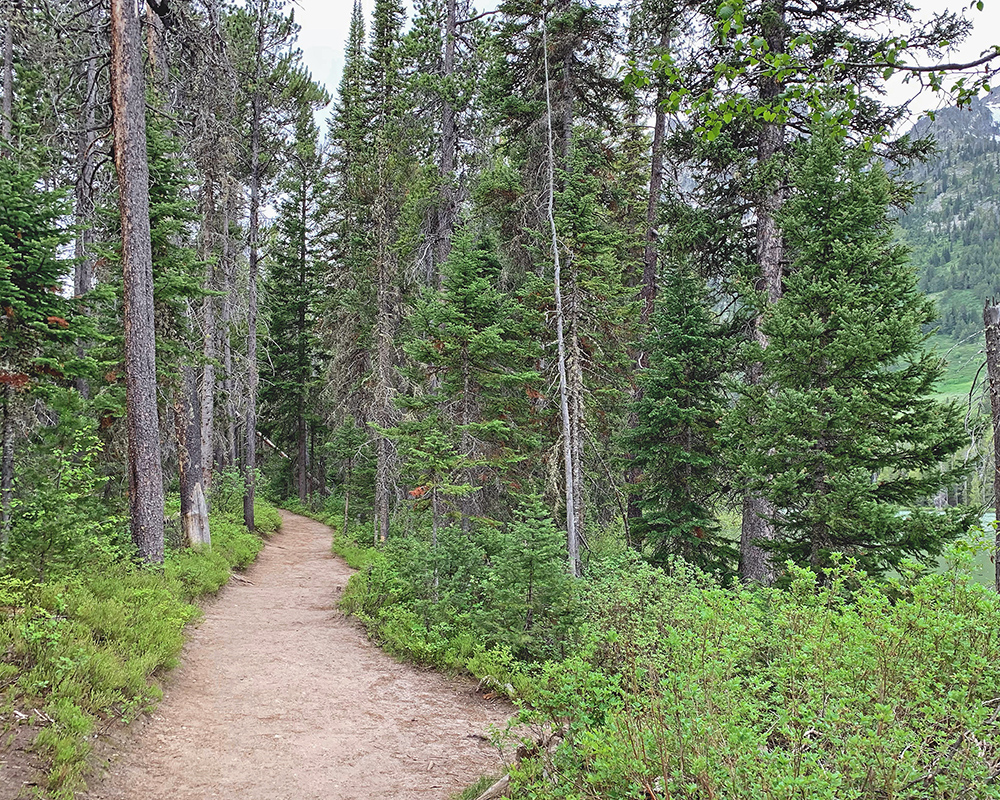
column 82, row 648
column 666, row 684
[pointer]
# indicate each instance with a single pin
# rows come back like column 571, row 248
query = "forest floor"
column 279, row 696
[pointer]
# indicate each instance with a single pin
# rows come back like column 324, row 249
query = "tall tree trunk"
column 159, row 66
column 651, row 250
column 86, row 159
column 449, row 147
column 569, row 469
column 759, row 512
column 208, row 327
column 250, row 443
column 385, row 309
column 6, row 123
column 228, row 452
column 303, row 355
column 991, row 324
column 128, row 99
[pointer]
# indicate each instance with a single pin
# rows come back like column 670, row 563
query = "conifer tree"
column 675, row 442
column 289, row 391
column 843, row 434
column 33, row 316
column 474, row 355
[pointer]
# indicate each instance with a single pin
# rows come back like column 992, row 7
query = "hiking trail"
column 278, row 696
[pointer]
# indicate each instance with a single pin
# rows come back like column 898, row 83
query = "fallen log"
column 498, row 789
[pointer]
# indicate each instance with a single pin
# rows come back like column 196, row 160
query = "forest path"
column 280, row 697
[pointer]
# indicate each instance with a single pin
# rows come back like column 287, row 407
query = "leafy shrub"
column 841, row 691
column 84, row 646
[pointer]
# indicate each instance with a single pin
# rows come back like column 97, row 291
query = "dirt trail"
column 279, row 697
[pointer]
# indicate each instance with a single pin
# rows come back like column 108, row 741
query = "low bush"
column 849, row 690
column 664, row 684
column 82, row 648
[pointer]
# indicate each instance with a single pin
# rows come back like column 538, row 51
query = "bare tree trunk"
column 449, row 147
column 159, row 67
column 250, row 443
column 86, row 159
column 576, row 408
column 8, row 74
column 142, row 422
column 570, row 472
column 303, row 354
column 991, row 324
column 651, row 251
column 7, row 469
column 384, row 417
column 208, row 327
column 228, row 448
column 758, row 512
column 187, row 422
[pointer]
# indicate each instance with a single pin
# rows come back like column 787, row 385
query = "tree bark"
column 250, row 442
column 651, row 250
column 991, row 324
column 187, row 413
column 7, row 469
column 758, row 511
column 86, row 159
column 569, row 469
column 128, row 100
column 6, row 123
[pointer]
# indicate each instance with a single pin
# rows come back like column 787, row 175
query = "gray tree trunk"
column 86, row 159
column 569, row 467
column 758, row 512
column 187, row 422
column 128, row 99
column 991, row 324
column 250, row 441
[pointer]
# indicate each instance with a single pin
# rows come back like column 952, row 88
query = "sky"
column 325, row 25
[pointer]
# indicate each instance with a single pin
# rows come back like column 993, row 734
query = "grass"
column 85, row 649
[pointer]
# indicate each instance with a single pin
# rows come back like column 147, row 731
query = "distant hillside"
column 953, row 228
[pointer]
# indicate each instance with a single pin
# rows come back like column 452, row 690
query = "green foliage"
column 842, row 432
column 690, row 690
column 33, row 313
column 85, row 644
column 59, row 521
column 675, row 444
column 468, row 600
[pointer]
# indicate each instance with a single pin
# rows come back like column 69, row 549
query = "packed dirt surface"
column 279, row 697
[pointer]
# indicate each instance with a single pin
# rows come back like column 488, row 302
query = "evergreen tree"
column 33, row 313
column 675, row 442
column 473, row 353
column 290, row 385
column 843, row 434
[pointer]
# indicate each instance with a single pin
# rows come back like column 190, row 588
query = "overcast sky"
column 325, row 25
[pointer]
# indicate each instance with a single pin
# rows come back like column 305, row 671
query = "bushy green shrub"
column 84, row 646
column 470, row 598
column 688, row 690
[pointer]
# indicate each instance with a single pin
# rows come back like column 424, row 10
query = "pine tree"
column 290, row 386
column 33, row 314
column 474, row 361
column 675, row 442
column 843, row 434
